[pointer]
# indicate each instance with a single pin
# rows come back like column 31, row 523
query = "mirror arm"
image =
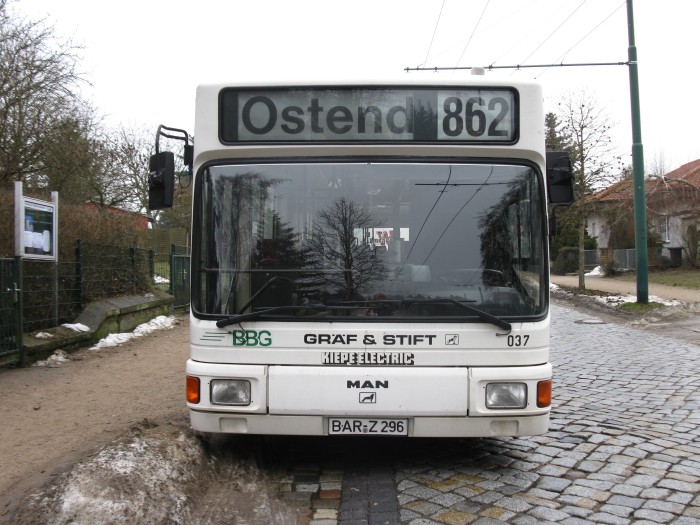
column 181, row 135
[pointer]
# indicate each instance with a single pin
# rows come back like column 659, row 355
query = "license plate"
column 384, row 427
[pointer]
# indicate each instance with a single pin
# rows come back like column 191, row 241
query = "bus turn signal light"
column 544, row 393
column 192, row 389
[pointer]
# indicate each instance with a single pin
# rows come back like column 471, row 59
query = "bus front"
column 370, row 260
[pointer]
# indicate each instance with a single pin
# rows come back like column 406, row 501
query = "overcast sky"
column 144, row 58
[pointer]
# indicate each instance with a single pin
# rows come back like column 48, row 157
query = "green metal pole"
column 640, row 215
column 19, row 268
column 171, row 290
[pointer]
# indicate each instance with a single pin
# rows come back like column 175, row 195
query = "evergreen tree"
column 555, row 138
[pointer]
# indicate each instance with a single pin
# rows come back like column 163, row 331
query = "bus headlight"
column 506, row 395
column 230, row 392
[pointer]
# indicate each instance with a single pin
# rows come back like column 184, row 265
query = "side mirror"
column 161, row 180
column 188, row 155
column 560, row 178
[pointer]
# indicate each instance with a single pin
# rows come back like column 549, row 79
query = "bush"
column 566, row 262
column 610, row 268
column 96, row 226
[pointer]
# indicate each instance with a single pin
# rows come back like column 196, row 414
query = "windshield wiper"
column 361, row 305
column 484, row 316
column 264, row 287
column 275, row 309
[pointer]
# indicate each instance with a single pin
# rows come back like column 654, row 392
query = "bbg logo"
column 251, row 338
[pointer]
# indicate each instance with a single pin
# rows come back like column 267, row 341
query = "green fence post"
column 134, row 269
column 79, row 273
column 152, row 265
column 171, row 286
column 20, row 308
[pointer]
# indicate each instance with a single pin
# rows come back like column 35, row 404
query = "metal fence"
column 55, row 293
column 590, row 258
column 10, row 312
column 180, row 275
column 50, row 294
column 172, row 274
column 625, row 258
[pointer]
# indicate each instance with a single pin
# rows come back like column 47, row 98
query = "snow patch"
column 143, row 480
column 77, row 327
column 597, row 271
column 617, row 300
column 57, row 358
column 112, row 340
column 161, row 322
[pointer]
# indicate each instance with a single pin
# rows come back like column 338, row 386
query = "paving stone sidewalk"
column 624, row 447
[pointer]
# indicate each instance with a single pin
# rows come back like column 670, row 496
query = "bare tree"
column 347, row 263
column 38, row 81
column 658, row 165
column 125, row 168
column 594, row 157
column 691, row 240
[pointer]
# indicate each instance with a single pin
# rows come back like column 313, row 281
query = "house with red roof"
column 673, row 206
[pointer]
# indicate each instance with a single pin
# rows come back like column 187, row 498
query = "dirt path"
column 617, row 286
column 52, row 416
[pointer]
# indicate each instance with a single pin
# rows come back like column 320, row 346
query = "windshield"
column 369, row 240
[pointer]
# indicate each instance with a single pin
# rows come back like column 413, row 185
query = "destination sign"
column 460, row 114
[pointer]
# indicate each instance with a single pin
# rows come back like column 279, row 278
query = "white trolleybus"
column 369, row 259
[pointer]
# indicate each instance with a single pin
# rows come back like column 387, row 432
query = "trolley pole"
column 640, row 215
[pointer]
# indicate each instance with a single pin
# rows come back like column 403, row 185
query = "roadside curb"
column 678, row 321
column 114, row 315
column 614, row 286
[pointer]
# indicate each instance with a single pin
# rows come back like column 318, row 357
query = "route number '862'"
column 518, row 340
column 481, row 118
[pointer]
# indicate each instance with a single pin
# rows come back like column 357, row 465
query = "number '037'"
column 470, row 116
column 518, row 340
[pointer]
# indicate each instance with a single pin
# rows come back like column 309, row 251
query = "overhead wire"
column 473, row 31
column 555, row 30
column 434, row 32
column 535, row 29
column 420, row 230
column 547, row 66
column 561, row 58
column 454, row 217
column 521, row 65
column 500, row 21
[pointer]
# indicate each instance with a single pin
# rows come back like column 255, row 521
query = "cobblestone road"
column 624, row 447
